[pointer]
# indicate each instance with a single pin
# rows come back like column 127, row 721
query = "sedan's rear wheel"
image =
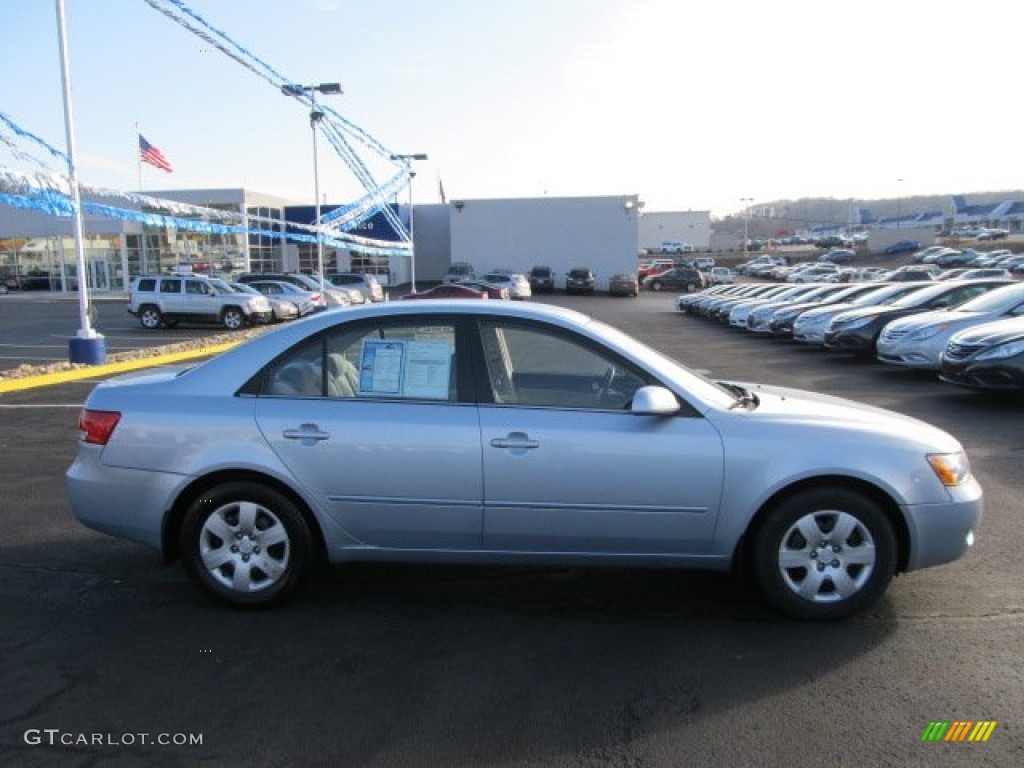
column 657, row 285
column 246, row 544
column 825, row 553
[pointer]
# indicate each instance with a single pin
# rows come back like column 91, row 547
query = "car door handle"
column 515, row 440
column 309, row 432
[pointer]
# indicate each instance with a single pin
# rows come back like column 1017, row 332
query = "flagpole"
column 138, row 154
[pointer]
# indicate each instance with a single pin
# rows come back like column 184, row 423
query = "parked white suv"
column 169, row 299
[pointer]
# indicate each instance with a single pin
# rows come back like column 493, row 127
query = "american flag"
column 153, row 156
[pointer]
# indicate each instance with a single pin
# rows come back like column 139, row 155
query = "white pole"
column 86, row 331
column 314, row 118
column 412, row 236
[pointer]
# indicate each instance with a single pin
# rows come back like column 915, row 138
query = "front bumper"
column 941, row 533
column 1005, row 375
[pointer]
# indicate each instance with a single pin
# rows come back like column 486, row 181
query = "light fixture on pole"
column 746, row 223
column 407, row 159
column 88, row 346
column 315, row 116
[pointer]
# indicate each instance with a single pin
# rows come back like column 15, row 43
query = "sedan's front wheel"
column 246, row 544
column 825, row 553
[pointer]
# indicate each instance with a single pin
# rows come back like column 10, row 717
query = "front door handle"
column 517, row 441
column 307, row 433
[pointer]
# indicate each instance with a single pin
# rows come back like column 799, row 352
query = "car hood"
column 800, row 409
column 991, row 334
column 934, row 317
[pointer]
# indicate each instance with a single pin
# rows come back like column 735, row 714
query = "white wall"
column 693, row 227
column 559, row 232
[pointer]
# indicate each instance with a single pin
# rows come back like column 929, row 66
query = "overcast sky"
column 691, row 105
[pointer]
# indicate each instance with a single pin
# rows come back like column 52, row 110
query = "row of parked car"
column 970, row 332
column 995, row 265
column 540, row 279
column 166, row 300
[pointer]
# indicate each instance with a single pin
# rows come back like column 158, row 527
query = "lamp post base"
column 89, row 350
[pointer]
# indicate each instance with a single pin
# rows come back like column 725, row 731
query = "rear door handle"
column 517, row 441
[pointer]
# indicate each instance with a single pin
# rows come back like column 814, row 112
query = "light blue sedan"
column 492, row 432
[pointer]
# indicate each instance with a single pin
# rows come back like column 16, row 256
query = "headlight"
column 950, row 468
column 1010, row 349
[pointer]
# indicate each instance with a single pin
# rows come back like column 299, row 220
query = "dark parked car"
column 623, row 284
column 580, row 280
column 681, row 278
column 542, row 280
column 857, row 331
column 902, row 246
column 989, row 356
column 838, row 256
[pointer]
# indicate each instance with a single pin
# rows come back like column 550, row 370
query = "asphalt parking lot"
column 104, row 653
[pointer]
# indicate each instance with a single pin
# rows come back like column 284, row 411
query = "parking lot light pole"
column 87, row 346
column 746, row 223
column 315, row 116
column 407, row 159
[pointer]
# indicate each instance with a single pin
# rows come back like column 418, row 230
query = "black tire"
column 246, row 544
column 657, row 285
column 839, row 575
column 232, row 318
column 691, row 287
column 150, row 317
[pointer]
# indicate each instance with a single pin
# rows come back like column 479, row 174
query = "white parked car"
column 517, row 285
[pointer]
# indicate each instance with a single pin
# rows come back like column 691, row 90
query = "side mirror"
column 654, row 401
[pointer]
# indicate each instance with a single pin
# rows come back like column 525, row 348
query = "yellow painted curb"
column 88, row 372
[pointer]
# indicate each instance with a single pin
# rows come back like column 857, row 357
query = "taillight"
column 315, row 298
column 97, row 426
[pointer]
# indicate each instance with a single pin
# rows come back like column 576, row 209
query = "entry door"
column 99, row 274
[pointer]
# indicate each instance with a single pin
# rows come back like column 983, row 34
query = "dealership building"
column 37, row 249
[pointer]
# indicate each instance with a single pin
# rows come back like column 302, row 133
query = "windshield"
column 220, row 285
column 1000, row 300
column 672, row 371
column 885, row 295
column 921, row 296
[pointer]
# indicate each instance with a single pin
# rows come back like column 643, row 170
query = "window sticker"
column 414, row 369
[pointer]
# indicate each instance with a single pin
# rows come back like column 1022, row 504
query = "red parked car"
column 447, row 291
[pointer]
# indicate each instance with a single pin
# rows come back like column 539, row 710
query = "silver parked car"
column 919, row 340
column 504, row 432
